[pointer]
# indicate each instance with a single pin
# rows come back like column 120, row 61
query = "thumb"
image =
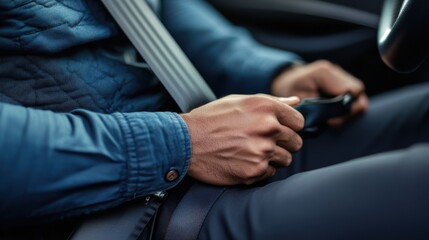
column 291, row 101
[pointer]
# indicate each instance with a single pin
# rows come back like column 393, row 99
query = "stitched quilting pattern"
column 51, row 57
column 49, row 26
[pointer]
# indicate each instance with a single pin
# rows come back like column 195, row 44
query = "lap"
column 383, row 196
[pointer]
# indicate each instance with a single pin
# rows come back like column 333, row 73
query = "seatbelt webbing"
column 189, row 216
column 189, row 90
column 161, row 52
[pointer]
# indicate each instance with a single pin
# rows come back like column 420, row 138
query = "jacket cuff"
column 158, row 152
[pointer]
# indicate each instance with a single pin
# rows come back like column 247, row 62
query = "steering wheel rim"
column 403, row 41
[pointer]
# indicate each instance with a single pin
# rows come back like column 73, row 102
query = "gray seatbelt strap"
column 161, row 52
column 189, row 90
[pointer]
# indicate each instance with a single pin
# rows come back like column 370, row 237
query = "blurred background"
column 342, row 31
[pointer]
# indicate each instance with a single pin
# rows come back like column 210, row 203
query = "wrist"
column 277, row 85
column 192, row 130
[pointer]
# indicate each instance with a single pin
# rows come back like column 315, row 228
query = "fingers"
column 289, row 140
column 337, row 122
column 289, row 122
column 281, row 158
column 354, row 85
column 292, row 119
column 289, row 117
column 333, row 80
column 360, row 105
column 291, row 101
column 281, row 108
column 270, row 171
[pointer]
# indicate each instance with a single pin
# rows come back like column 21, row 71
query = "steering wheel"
column 403, row 36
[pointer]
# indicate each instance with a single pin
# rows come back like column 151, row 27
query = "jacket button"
column 171, row 175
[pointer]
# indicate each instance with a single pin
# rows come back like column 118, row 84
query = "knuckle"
column 325, row 65
column 232, row 96
column 255, row 171
column 288, row 136
column 246, row 173
column 266, row 106
column 266, row 149
column 260, row 97
column 259, row 101
column 360, row 85
column 260, row 170
column 271, row 126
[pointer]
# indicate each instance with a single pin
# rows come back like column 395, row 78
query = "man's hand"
column 321, row 78
column 242, row 139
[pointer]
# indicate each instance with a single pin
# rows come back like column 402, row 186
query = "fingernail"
column 289, row 99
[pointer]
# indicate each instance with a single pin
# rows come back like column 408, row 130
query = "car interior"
column 371, row 39
column 342, row 31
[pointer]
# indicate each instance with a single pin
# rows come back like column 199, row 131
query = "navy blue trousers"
column 366, row 180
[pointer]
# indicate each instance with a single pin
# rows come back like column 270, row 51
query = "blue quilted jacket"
column 81, row 130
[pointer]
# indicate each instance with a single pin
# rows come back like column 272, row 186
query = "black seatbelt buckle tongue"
column 317, row 111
